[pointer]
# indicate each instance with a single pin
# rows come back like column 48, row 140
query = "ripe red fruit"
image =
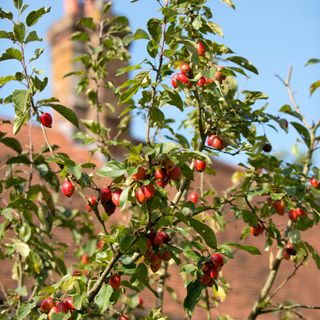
column 288, row 251
column 46, row 120
column 62, row 307
column 115, row 281
column 216, row 142
column 199, row 165
column 116, row 197
column 193, row 197
column 92, row 202
column 294, row 214
column 182, row 78
column 161, row 183
column 166, row 256
column 149, row 191
column 84, row 259
column 160, row 238
column 155, row 263
column 67, row 188
column 47, row 304
column 201, row 49
column 219, row 76
column 69, row 303
column 174, row 81
column 105, row 195
column 257, row 230
column 217, row 260
column 214, row 273
column 267, row 147
column 160, row 174
column 140, row 302
column 314, row 182
column 140, row 175
column 100, row 244
column 202, row 82
column 175, row 173
column 205, row 279
column 279, row 207
column 140, row 196
column 185, row 68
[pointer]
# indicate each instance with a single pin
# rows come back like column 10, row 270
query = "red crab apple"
column 92, row 202
column 69, row 302
column 140, row 175
column 288, row 251
column 314, row 182
column 175, row 173
column 294, row 214
column 174, row 81
column 63, row 306
column 218, row 74
column 160, row 174
column 160, row 238
column 193, row 197
column 47, row 304
column 183, row 78
column 140, row 302
column 115, row 281
column 149, row 191
column 217, row 260
column 116, row 197
column 185, row 68
column 161, row 183
column 46, row 120
column 216, row 142
column 105, row 195
column 67, row 188
column 140, row 196
column 279, row 206
column 257, row 230
column 52, row 311
column 199, row 165
column 201, row 49
column 267, row 147
column 201, row 82
column 155, row 262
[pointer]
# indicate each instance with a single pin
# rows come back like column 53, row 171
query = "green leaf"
column 194, row 291
column 6, row 15
column 17, row 4
column 251, row 249
column 24, row 310
column 19, row 31
column 11, row 53
column 32, row 36
column 80, row 36
column 154, row 28
column 34, row 16
column 314, row 87
column 102, row 299
column 288, row 110
column 20, row 99
column 244, row 63
column 12, row 143
column 312, row 61
column 304, row 133
column 139, row 34
column 66, row 113
column 202, row 229
column 112, row 169
column 22, row 248
column 6, row 35
column 314, row 254
column 215, row 28
column 88, row 22
column 157, row 115
column 37, row 53
column 124, row 196
column 6, row 79
column 23, row 158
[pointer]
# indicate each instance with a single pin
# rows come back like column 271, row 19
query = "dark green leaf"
column 251, row 249
column 19, row 31
column 32, row 36
column 194, row 291
column 102, row 299
column 6, row 35
column 312, row 61
column 6, row 79
column 23, row 158
column 314, row 254
column 154, row 28
column 11, row 53
column 215, row 28
column 66, row 113
column 12, row 143
column 288, row 110
column 244, row 63
column 88, row 22
column 304, row 133
column 202, row 229
column 139, row 34
column 80, row 36
column 34, row 16
column 37, row 53
column 17, row 3
column 5, row 15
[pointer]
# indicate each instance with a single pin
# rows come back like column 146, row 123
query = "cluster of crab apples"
column 50, row 306
column 156, row 249
column 185, row 76
column 211, row 268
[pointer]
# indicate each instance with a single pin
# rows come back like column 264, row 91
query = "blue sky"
column 272, row 34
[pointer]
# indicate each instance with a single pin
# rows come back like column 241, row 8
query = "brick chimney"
column 63, row 52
